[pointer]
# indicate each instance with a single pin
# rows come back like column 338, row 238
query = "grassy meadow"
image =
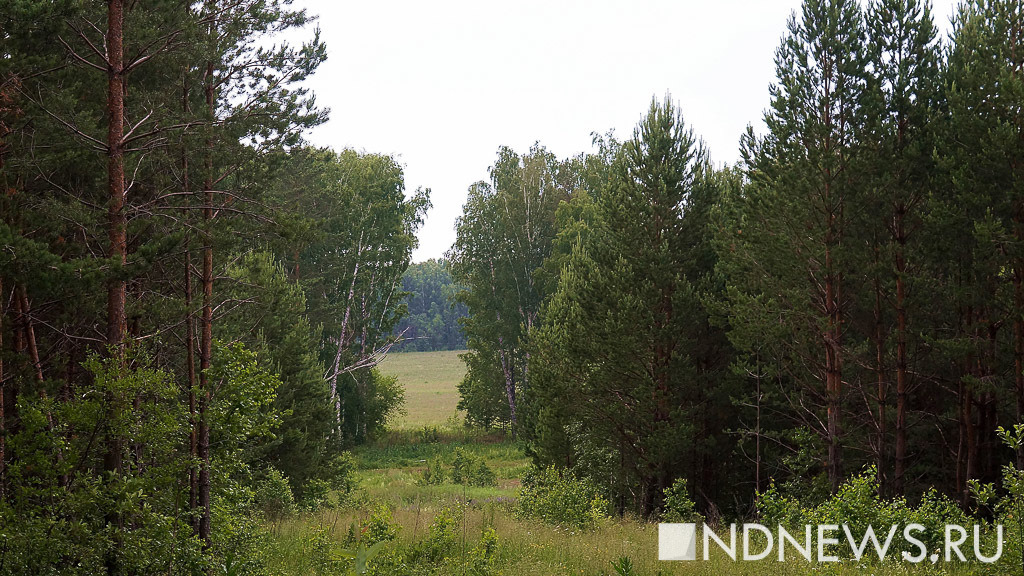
column 390, row 485
column 430, row 380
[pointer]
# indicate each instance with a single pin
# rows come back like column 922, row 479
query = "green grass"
column 430, row 380
column 388, row 470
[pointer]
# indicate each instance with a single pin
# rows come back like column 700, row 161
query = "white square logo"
column 677, row 541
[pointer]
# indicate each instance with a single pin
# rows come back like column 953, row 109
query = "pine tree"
column 806, row 181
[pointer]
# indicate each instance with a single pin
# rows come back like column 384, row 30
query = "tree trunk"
column 506, row 367
column 883, row 386
column 206, row 324
column 833, row 374
column 901, row 359
column 1018, row 336
column 336, row 370
column 190, row 359
column 118, row 250
column 116, row 322
column 190, row 334
column 3, row 406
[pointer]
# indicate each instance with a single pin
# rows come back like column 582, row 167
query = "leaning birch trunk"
column 336, row 369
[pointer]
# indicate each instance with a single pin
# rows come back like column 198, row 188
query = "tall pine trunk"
column 206, row 323
column 118, row 245
column 3, row 405
column 882, row 384
column 900, row 456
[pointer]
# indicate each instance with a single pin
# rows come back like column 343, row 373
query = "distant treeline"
column 433, row 316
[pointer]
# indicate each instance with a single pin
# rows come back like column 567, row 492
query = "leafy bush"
column 678, row 507
column 482, row 556
column 482, row 475
column 560, row 499
column 340, row 473
column 466, row 469
column 273, row 496
column 858, row 506
column 442, row 537
column 316, row 495
column 379, row 527
column 434, row 474
column 428, row 435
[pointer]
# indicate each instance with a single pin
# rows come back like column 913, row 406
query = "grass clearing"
column 430, row 380
column 388, row 472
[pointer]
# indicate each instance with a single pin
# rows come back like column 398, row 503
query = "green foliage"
column 442, row 537
column 273, row 496
column 316, row 496
column 467, row 469
column 624, row 567
column 858, row 505
column 614, row 406
column 380, row 526
column 560, row 498
column 434, row 473
column 502, row 238
column 433, row 320
column 483, row 556
column 287, row 345
column 677, row 505
column 471, row 470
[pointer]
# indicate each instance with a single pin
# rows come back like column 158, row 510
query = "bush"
column 482, row 556
column 273, row 496
column 466, row 469
column 678, row 507
column 443, row 536
column 379, row 527
column 560, row 499
column 434, row 474
column 316, row 495
column 340, row 473
column 858, row 505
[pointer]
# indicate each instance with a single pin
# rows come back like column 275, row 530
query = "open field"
column 430, row 380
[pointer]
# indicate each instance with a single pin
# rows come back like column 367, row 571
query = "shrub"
column 428, row 435
column 560, row 499
column 273, row 496
column 443, row 535
column 340, row 473
column 482, row 556
column 466, row 469
column 678, row 507
column 858, row 506
column 379, row 527
column 482, row 475
column 434, row 474
column 316, row 495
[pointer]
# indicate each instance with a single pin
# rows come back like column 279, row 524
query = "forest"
column 432, row 319
column 849, row 295
column 195, row 304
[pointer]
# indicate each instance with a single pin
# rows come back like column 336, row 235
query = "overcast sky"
column 441, row 85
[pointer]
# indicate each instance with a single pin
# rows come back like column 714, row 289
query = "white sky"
column 442, row 84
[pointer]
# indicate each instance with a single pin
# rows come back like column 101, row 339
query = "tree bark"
column 3, row 411
column 336, row 370
column 883, row 386
column 118, row 245
column 900, row 457
column 206, row 324
column 118, row 250
column 833, row 374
